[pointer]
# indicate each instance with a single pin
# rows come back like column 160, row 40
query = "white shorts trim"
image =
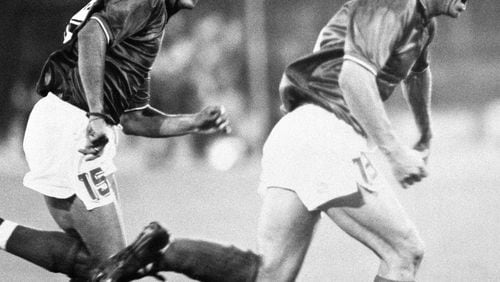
column 54, row 133
column 319, row 157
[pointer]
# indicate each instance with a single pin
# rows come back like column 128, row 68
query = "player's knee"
column 414, row 248
column 75, row 262
column 270, row 267
column 410, row 251
column 277, row 269
column 274, row 268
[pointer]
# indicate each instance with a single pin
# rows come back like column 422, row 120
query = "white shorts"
column 319, row 157
column 54, row 133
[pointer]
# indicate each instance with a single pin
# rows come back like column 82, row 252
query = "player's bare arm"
column 150, row 122
column 417, row 91
column 92, row 50
column 362, row 96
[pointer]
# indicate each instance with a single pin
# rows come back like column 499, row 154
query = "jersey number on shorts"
column 96, row 183
column 366, row 168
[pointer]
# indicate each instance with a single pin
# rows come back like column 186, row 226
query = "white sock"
column 6, row 229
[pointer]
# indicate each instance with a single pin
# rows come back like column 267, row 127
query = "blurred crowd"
column 198, row 67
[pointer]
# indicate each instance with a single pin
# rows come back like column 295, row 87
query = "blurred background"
column 233, row 52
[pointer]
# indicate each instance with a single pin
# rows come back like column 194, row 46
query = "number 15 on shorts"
column 367, row 171
column 96, row 184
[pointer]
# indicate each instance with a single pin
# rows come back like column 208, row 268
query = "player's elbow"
column 348, row 77
column 346, row 82
column 356, row 81
column 129, row 123
column 343, row 81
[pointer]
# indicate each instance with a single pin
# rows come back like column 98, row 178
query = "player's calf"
column 55, row 251
column 210, row 262
column 200, row 260
column 128, row 263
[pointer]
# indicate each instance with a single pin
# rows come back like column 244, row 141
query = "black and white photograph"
column 250, row 140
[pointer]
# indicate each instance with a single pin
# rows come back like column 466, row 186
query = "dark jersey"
column 134, row 31
column 389, row 38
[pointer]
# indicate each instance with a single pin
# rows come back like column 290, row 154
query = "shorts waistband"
column 57, row 99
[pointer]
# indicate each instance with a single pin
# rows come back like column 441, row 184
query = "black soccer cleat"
column 130, row 263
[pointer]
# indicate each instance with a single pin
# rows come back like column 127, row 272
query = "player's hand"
column 423, row 146
column 212, row 119
column 97, row 138
column 408, row 165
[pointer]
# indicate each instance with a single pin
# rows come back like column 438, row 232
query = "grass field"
column 456, row 209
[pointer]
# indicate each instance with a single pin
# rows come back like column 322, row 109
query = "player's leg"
column 285, row 231
column 55, row 251
column 296, row 159
column 197, row 259
column 377, row 219
column 100, row 229
column 209, row 261
column 58, row 171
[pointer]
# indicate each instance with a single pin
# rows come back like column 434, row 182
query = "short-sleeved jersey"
column 389, row 38
column 134, row 31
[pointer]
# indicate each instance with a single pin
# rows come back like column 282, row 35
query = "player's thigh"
column 377, row 219
column 100, row 229
column 285, row 227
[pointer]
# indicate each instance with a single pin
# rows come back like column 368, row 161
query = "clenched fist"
column 408, row 165
column 212, row 119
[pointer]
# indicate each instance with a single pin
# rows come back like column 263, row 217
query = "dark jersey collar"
column 172, row 8
column 423, row 10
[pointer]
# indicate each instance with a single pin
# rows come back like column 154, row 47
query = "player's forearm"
column 91, row 61
column 155, row 124
column 362, row 97
column 417, row 91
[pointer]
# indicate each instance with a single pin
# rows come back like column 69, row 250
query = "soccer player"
column 317, row 158
column 97, row 81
